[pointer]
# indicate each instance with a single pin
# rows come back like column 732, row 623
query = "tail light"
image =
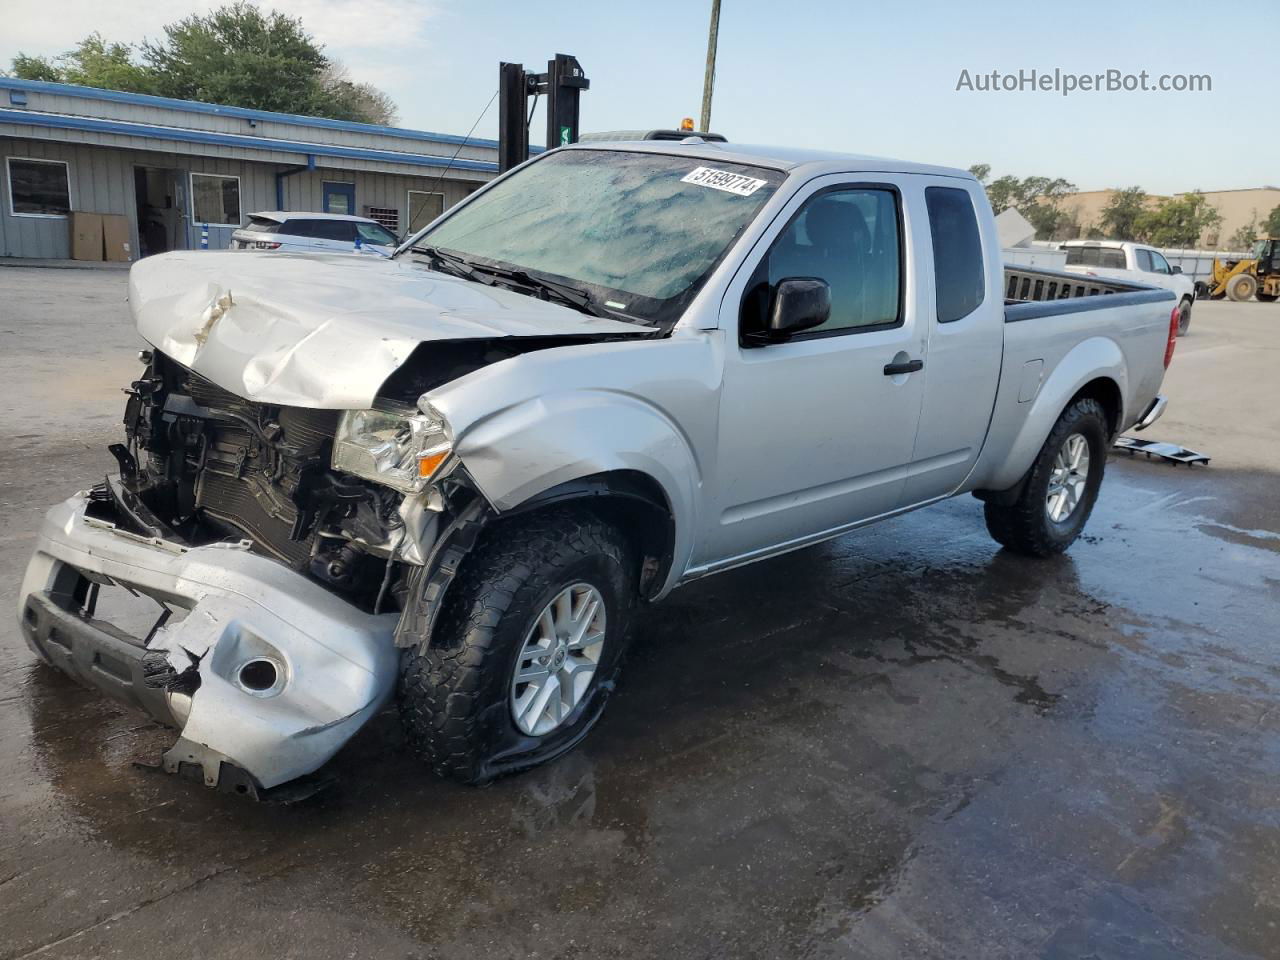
column 1173, row 338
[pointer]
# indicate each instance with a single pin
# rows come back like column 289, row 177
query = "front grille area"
column 243, row 506
column 249, row 478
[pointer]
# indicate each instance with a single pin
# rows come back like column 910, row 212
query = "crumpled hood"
column 323, row 331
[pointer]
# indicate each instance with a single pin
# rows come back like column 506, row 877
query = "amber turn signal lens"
column 428, row 462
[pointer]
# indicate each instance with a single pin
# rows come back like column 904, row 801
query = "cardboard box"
column 86, row 236
column 115, row 237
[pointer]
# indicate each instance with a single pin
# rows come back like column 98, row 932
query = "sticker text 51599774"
column 743, row 186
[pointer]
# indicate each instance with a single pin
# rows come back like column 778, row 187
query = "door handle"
column 910, row 366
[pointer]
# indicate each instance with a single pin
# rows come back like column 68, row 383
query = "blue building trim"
column 154, row 132
column 221, row 110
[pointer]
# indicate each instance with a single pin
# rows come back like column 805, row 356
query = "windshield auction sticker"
column 723, row 180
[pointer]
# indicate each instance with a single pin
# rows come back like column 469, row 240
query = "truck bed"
column 1031, row 293
column 1086, row 326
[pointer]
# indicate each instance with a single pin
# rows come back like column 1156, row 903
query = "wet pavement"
column 905, row 743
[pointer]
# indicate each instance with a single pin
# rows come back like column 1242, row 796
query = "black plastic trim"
column 1031, row 310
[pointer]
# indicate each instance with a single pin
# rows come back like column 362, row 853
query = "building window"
column 423, row 208
column 39, row 188
column 215, row 199
column 389, row 217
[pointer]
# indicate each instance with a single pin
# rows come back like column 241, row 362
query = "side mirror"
column 1176, row 269
column 799, row 303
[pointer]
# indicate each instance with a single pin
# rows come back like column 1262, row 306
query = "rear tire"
column 458, row 696
column 1241, row 288
column 1028, row 525
column 1184, row 317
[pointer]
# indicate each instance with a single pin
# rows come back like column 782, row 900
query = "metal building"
column 178, row 170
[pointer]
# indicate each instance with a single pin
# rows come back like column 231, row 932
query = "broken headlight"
column 401, row 450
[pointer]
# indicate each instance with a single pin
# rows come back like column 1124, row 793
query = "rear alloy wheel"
column 1068, row 480
column 1056, row 497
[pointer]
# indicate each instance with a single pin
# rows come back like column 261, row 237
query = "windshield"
column 638, row 232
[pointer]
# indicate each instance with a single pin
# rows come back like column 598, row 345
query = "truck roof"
column 788, row 159
column 1129, row 244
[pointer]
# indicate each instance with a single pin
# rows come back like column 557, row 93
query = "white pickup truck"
column 449, row 477
column 1135, row 262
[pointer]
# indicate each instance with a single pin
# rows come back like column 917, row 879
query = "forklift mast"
column 563, row 82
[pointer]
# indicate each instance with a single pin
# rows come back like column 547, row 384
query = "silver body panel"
column 321, row 330
column 338, row 664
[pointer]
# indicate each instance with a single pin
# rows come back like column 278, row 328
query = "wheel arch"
column 1096, row 369
column 630, row 500
column 589, row 443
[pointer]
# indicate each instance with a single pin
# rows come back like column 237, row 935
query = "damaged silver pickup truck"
column 447, row 478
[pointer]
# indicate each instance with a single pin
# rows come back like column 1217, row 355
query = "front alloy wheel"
column 526, row 649
column 558, row 660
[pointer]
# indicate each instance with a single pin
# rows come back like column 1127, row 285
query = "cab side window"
column 1158, row 263
column 849, row 238
column 1144, row 260
column 959, row 274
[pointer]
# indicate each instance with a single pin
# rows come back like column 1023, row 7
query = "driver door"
column 816, row 433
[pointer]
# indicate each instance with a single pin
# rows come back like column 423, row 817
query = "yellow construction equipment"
column 1256, row 275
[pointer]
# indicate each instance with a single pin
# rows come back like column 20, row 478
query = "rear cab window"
column 959, row 272
column 1112, row 258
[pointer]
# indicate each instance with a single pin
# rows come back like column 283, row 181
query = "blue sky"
column 861, row 77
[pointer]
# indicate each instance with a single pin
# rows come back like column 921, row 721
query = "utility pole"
column 710, row 80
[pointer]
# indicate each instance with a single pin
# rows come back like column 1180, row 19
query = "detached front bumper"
column 267, row 673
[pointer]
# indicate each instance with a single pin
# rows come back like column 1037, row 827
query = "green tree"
column 238, row 55
column 1271, row 226
column 981, row 171
column 1039, row 199
column 1120, row 215
column 1177, row 221
column 94, row 62
column 35, row 68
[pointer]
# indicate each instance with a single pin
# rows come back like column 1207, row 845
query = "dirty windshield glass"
column 637, row 232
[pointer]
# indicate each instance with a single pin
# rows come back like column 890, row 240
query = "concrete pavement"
column 904, row 743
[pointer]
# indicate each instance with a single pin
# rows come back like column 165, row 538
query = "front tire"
column 1242, row 287
column 505, row 682
column 1058, row 495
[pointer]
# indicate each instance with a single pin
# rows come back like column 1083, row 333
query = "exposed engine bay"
column 202, row 465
